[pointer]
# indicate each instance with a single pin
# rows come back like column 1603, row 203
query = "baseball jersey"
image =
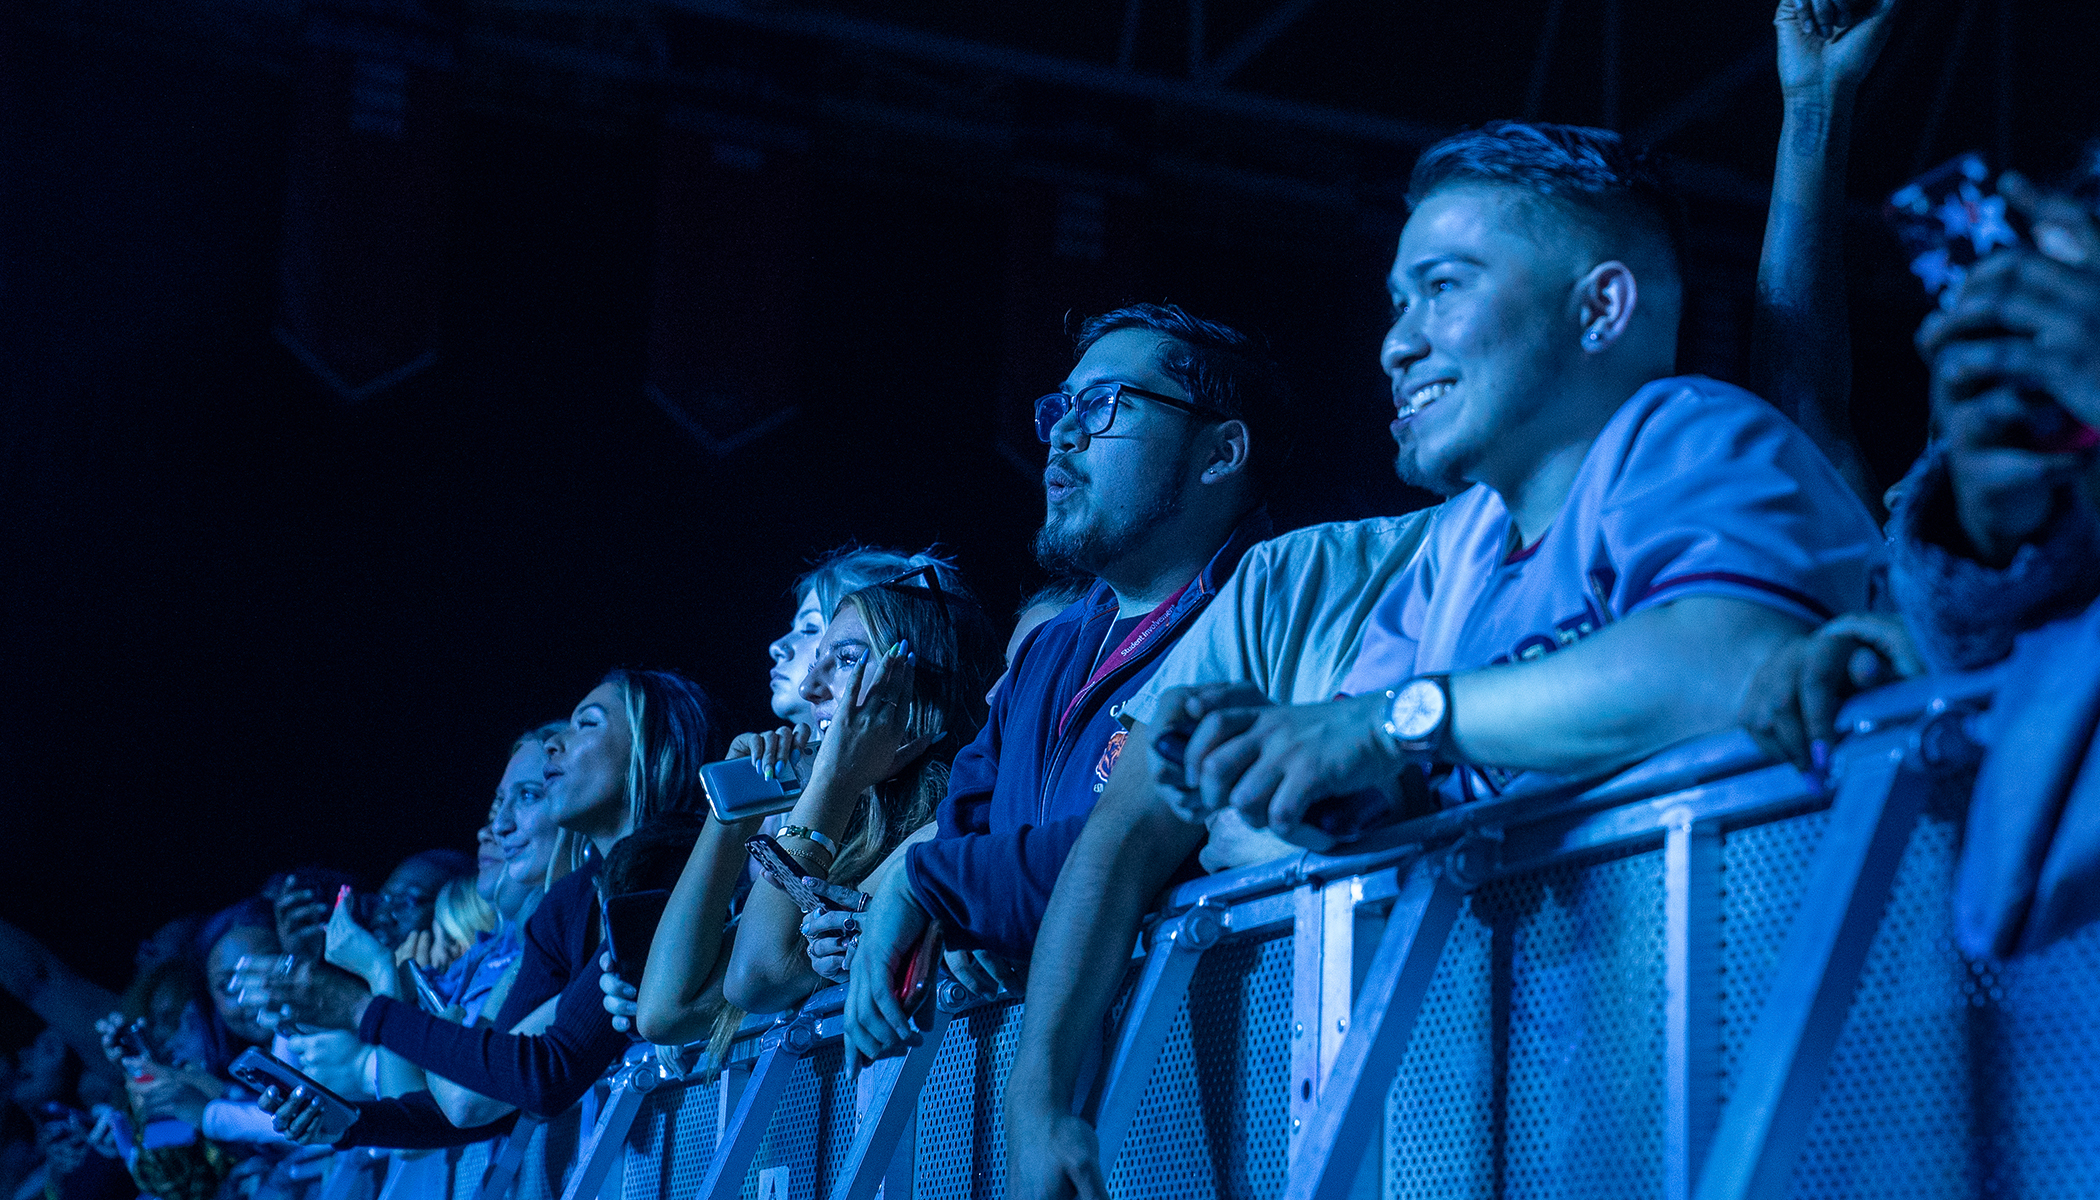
column 1694, row 488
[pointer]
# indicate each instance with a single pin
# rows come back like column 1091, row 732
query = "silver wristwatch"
column 1418, row 718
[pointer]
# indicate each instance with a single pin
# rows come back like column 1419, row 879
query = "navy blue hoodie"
column 1019, row 794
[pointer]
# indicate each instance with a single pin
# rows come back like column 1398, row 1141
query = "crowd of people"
column 1628, row 557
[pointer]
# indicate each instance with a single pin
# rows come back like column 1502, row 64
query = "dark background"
column 694, row 291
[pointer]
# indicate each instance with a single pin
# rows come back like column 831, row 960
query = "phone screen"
column 1950, row 218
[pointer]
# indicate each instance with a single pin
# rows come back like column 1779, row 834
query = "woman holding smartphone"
column 896, row 684
column 632, row 749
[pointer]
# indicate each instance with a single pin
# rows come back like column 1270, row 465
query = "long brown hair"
column 957, row 655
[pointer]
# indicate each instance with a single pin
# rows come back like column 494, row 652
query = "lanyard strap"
column 1130, row 647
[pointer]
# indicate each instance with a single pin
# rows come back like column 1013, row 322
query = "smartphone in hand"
column 1949, row 219
column 737, row 792
column 261, row 1071
column 807, row 891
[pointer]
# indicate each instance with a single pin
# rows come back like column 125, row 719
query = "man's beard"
column 1062, row 549
column 1411, row 472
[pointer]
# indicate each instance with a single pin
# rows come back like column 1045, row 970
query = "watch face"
column 1417, row 709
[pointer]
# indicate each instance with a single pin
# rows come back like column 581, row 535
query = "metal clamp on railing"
column 1369, row 929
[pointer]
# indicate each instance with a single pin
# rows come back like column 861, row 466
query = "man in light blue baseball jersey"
column 1623, row 549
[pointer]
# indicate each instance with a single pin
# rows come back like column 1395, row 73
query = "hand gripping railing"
column 1369, row 929
column 1352, row 1020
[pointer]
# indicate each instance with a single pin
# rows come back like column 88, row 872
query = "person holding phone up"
column 1995, row 557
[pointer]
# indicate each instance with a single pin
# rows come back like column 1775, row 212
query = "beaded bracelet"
column 808, row 834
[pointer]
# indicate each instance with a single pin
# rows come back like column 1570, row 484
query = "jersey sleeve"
column 1718, row 494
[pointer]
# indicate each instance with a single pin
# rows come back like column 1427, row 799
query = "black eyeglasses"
column 1096, row 407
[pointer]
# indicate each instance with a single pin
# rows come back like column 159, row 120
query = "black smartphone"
column 631, row 919
column 427, row 996
column 260, row 1071
column 131, row 1040
column 807, row 891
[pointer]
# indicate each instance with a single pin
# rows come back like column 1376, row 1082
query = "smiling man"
column 1624, row 547
column 1159, row 443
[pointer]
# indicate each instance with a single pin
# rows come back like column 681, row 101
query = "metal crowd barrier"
column 1709, row 977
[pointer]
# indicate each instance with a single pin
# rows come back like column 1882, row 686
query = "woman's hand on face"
column 865, row 745
column 833, row 938
column 770, row 749
column 620, row 995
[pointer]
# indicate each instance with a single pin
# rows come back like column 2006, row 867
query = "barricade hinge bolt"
column 954, row 997
column 1944, row 745
column 1201, row 927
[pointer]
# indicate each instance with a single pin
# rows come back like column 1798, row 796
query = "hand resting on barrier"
column 1792, row 705
column 1655, row 677
column 880, row 941
column 1270, row 761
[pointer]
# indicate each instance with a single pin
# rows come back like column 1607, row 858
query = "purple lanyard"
column 1125, row 650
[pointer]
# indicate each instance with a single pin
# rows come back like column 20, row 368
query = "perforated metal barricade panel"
column 1558, row 974
column 469, row 1165
column 2035, row 1052
column 1537, row 1065
column 960, row 1152
column 1215, row 1116
column 810, row 1130
column 1440, row 1117
column 1954, row 1078
column 548, row 1157
column 672, row 1142
column 1764, row 877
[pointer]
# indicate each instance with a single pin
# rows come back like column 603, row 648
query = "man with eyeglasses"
column 1160, row 443
column 1622, row 549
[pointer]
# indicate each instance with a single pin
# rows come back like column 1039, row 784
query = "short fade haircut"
column 1221, row 368
column 1592, row 174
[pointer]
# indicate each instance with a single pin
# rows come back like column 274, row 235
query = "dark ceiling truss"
column 513, row 49
column 543, row 31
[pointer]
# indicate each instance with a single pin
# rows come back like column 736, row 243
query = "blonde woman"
column 897, row 683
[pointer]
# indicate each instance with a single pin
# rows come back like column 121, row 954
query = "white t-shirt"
column 1694, row 488
column 1289, row 622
